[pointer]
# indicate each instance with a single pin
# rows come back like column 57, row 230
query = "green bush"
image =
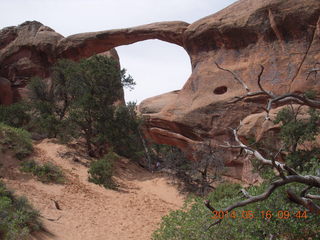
column 123, row 132
column 46, row 173
column 194, row 220
column 16, row 139
column 79, row 101
column 17, row 217
column 101, row 171
column 15, row 115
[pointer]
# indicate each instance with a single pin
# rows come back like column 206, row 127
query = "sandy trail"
column 88, row 211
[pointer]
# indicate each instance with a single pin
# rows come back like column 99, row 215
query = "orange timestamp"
column 281, row 214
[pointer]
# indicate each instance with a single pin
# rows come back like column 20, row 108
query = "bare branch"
column 270, row 94
column 305, row 194
column 282, row 99
column 304, row 191
column 314, row 70
column 255, row 153
column 209, row 206
column 245, row 193
column 315, row 197
column 269, row 105
column 307, row 203
column 295, row 98
column 279, row 151
column 259, row 156
column 292, row 176
column 238, row 79
column 279, row 169
column 308, row 180
column 212, row 209
column 290, row 170
column 249, row 94
column 259, row 79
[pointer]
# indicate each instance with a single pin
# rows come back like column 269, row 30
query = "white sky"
column 156, row 66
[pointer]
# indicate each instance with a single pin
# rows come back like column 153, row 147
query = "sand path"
column 88, row 211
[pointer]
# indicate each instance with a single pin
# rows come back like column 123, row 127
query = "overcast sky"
column 156, row 66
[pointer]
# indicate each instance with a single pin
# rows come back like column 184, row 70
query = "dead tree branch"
column 270, row 94
column 308, row 180
column 306, row 202
column 287, row 174
column 238, row 79
column 255, row 153
column 272, row 98
column 314, row 70
column 315, row 197
column 304, row 191
column 212, row 209
column 245, row 193
column 290, row 98
column 208, row 205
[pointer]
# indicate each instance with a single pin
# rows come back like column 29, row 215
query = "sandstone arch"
column 87, row 44
column 31, row 48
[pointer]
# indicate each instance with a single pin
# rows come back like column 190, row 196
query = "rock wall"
column 281, row 35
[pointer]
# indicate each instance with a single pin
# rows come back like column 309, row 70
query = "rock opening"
column 220, row 90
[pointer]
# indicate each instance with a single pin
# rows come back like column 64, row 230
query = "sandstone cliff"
column 283, row 36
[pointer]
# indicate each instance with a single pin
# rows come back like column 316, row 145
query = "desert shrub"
column 95, row 93
column 101, row 171
column 194, row 220
column 124, row 132
column 49, row 104
column 17, row 217
column 15, row 115
column 80, row 101
column 46, row 173
column 15, row 139
column 295, row 132
column 197, row 176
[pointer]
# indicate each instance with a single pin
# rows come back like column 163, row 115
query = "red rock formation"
column 31, row 48
column 86, row 44
column 26, row 51
column 283, row 36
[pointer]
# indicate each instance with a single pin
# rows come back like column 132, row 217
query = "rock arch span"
column 87, row 44
column 31, row 48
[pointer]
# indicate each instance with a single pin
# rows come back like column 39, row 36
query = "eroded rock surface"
column 86, row 44
column 281, row 35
